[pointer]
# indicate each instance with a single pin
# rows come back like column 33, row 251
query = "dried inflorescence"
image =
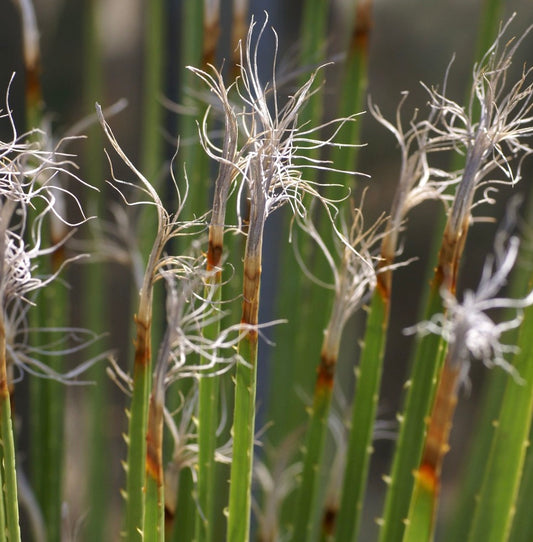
column 31, row 193
column 467, row 327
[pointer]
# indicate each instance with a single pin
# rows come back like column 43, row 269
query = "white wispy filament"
column 467, row 327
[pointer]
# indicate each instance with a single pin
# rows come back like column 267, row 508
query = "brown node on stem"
column 384, row 276
column 427, row 477
column 214, row 255
column 33, row 86
column 211, row 35
column 154, row 467
column 326, row 372
column 250, row 304
column 142, row 343
column 363, row 26
column 440, row 421
column 329, row 520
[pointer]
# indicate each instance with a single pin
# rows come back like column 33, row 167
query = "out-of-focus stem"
column 307, row 514
column 428, row 360
column 363, row 414
column 9, row 476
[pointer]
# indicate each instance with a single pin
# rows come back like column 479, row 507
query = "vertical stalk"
column 135, row 470
column 420, row 524
column 307, row 513
column 496, row 503
column 93, row 280
column 245, row 383
column 208, row 403
column 9, row 500
column 154, row 520
column 427, row 362
column 363, row 416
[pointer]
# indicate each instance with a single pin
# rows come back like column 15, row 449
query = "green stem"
column 207, row 432
column 10, row 498
column 243, row 438
column 138, row 414
column 420, row 390
column 308, row 501
column 497, row 499
column 363, row 418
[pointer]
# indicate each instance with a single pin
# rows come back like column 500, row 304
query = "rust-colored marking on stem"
column 438, row 431
column 214, row 255
column 329, row 520
column 250, row 304
column 326, row 372
column 384, row 276
column 449, row 257
column 363, row 26
column 211, row 35
column 142, row 343
column 4, row 388
column 154, row 443
column 33, row 87
column 427, row 477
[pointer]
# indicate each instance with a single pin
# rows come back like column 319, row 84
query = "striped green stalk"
column 191, row 154
column 522, row 529
column 152, row 134
column 8, row 456
column 428, row 359
column 473, row 470
column 490, row 20
column 9, row 498
column 496, row 502
column 208, row 407
column 53, row 305
column 136, row 439
column 154, row 515
column 240, row 497
column 93, row 278
column 183, row 520
column 34, row 112
column 3, row 524
column 208, row 410
column 293, row 302
column 354, row 84
column 343, row 157
column 308, row 503
column 243, row 436
column 420, row 524
column 363, row 417
column 209, row 384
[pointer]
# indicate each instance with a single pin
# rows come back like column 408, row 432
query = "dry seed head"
column 466, row 326
column 272, row 161
column 492, row 140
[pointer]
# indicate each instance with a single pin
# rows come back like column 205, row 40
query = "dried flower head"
column 490, row 131
column 467, row 327
column 418, row 180
column 276, row 152
column 30, row 193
